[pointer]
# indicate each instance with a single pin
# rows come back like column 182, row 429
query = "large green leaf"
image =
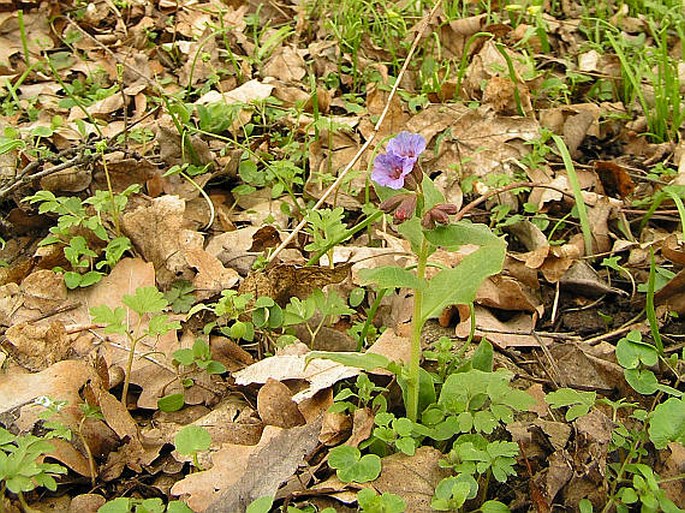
column 460, row 233
column 459, row 285
column 364, row 361
column 390, row 277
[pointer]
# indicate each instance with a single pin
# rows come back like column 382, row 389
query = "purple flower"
column 390, row 169
column 407, row 144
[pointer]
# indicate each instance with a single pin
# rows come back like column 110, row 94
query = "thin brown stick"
column 419, row 34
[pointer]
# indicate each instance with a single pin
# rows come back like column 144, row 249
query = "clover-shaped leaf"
column 351, row 466
column 667, row 423
column 192, row 439
column 579, row 402
column 631, row 351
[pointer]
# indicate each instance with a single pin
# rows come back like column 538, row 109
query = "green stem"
column 417, row 323
column 129, row 363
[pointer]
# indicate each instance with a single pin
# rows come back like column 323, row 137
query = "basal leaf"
column 390, row 277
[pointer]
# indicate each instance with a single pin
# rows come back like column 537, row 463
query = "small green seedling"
column 351, row 466
column 365, row 396
column 452, row 492
column 189, row 361
column 370, row 502
column 21, row 465
column 155, row 505
column 394, row 432
column 190, row 440
column 180, row 296
column 147, row 302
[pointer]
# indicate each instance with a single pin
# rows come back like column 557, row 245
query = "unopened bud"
column 439, row 214
column 448, row 208
column 392, row 203
column 406, row 209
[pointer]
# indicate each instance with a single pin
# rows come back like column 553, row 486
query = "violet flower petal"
column 390, row 170
column 407, row 144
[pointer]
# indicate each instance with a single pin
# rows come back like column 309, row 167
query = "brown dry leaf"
column 396, row 119
column 672, row 295
column 36, row 28
column 150, row 372
column 61, row 382
column 589, row 460
column 44, row 290
column 413, row 478
column 38, row 347
column 615, row 179
column 507, row 293
column 230, row 421
column 505, row 97
column 67, row 454
column 486, row 65
column 172, row 150
column 242, row 474
column 157, row 232
column 480, row 142
column 515, row 332
column 285, row 64
column 229, row 353
column 212, row 277
column 276, row 407
column 599, row 224
column 592, row 367
column 672, row 467
column 455, row 34
column 393, row 346
column 362, row 426
column 327, row 157
column 582, row 279
column 283, row 281
column 672, row 248
column 534, row 240
column 73, row 179
column 86, row 503
column 233, row 248
column 336, row 428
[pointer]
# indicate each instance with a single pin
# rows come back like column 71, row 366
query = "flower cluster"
column 397, row 169
column 391, row 169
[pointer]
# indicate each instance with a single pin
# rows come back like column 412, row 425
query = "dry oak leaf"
column 413, row 478
column 149, row 372
column 157, row 232
column 61, row 381
column 242, row 474
column 283, row 281
column 37, row 347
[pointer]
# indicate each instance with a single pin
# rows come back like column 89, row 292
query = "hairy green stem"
column 417, row 323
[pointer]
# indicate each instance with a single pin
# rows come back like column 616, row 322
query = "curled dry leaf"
column 276, row 407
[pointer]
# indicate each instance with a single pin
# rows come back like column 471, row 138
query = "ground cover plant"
column 357, row 256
